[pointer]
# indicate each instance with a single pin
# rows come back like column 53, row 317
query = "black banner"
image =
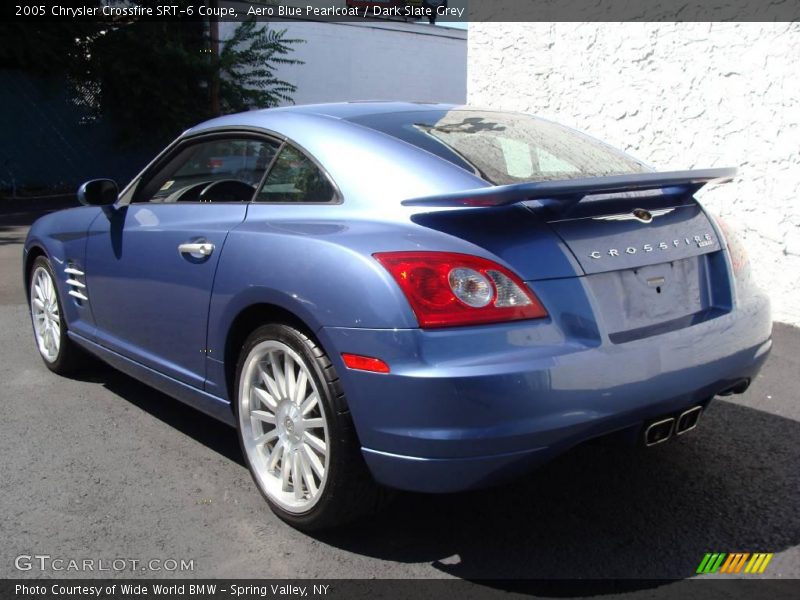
column 416, row 589
column 440, row 11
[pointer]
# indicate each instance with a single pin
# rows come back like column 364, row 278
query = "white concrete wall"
column 374, row 61
column 679, row 96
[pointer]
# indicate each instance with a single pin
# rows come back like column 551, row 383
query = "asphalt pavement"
column 104, row 467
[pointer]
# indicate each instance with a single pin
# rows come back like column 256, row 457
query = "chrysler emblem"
column 637, row 214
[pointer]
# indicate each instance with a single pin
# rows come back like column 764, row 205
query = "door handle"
column 197, row 249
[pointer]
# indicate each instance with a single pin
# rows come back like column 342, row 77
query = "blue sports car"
column 396, row 295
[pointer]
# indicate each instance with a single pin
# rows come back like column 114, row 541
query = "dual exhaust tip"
column 662, row 430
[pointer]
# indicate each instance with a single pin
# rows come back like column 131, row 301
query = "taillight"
column 447, row 289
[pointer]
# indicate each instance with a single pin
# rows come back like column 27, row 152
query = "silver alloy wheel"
column 283, row 426
column 45, row 314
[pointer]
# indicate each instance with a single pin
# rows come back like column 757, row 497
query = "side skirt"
column 202, row 401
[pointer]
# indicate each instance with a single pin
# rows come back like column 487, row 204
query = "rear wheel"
column 296, row 434
column 60, row 354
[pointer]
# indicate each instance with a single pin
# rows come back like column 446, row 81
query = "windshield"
column 505, row 148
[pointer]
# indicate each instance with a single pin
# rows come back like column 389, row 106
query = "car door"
column 151, row 265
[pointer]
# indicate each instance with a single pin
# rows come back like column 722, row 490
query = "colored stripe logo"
column 736, row 562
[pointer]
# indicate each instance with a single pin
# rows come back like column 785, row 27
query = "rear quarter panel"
column 316, row 263
column 319, row 269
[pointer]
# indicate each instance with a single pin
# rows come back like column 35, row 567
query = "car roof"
column 302, row 123
column 336, row 110
column 351, row 110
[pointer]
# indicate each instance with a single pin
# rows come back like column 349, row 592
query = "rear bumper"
column 471, row 407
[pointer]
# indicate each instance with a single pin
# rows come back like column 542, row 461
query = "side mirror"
column 98, row 192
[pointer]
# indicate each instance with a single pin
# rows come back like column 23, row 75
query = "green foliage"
column 247, row 68
column 153, row 78
column 150, row 79
column 160, row 77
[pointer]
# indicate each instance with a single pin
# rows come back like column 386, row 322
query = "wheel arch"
column 33, row 252
column 247, row 320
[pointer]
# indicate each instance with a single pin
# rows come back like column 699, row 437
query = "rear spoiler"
column 564, row 194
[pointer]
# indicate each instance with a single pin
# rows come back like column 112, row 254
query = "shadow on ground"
column 206, row 430
column 602, row 512
column 596, row 513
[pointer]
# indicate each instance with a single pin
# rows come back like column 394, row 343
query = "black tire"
column 349, row 491
column 70, row 358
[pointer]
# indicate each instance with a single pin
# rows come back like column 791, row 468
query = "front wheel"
column 60, row 354
column 296, row 433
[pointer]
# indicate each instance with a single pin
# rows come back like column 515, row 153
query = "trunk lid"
column 613, row 241
column 603, row 223
column 643, row 248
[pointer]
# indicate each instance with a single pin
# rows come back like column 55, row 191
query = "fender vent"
column 76, row 283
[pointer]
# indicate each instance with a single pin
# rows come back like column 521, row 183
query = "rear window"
column 505, row 148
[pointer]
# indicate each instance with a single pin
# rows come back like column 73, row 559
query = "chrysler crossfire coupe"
column 398, row 295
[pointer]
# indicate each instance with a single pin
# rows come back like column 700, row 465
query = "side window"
column 220, row 170
column 295, row 178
